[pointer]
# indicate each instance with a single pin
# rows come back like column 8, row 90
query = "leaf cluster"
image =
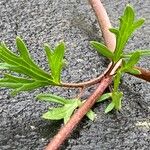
column 32, row 75
column 128, row 25
column 65, row 111
column 23, row 74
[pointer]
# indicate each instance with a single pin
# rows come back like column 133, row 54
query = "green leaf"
column 133, row 60
column 115, row 31
column 20, row 84
column 55, row 59
column 116, row 98
column 139, row 23
column 64, row 112
column 104, row 97
column 109, row 107
column 117, row 79
column 91, row 115
column 23, row 51
column 134, row 71
column 5, row 66
column 70, row 111
column 102, row 49
column 55, row 113
column 128, row 24
column 53, row 98
column 142, row 53
column 24, row 65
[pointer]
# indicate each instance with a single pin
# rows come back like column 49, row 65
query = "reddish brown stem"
column 104, row 23
column 109, row 38
column 82, row 84
column 87, row 83
column 104, row 83
column 78, row 115
column 145, row 74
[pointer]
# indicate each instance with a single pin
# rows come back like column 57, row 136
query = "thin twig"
column 86, row 83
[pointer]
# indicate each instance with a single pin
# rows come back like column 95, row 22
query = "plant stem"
column 145, row 74
column 105, row 80
column 109, row 38
column 78, row 115
column 87, row 83
column 104, row 23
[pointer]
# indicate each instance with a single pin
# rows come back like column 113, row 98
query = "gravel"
column 73, row 21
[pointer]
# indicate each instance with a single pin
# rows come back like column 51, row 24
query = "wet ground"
column 40, row 21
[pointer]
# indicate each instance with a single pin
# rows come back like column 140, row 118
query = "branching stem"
column 87, row 83
column 104, row 80
column 78, row 115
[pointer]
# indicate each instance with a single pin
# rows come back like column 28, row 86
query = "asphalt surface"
column 73, row 21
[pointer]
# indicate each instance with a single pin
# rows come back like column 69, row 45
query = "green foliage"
column 128, row 25
column 116, row 99
column 132, row 61
column 104, row 97
column 55, row 60
column 126, row 67
column 110, row 107
column 102, row 49
column 142, row 53
column 32, row 75
column 65, row 111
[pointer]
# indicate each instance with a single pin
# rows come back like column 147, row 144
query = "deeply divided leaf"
column 23, row 64
column 55, row 59
column 128, row 24
column 69, row 105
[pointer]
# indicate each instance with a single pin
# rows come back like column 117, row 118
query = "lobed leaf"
column 69, row 105
column 20, row 84
column 64, row 112
column 24, row 65
column 126, row 28
column 55, row 59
